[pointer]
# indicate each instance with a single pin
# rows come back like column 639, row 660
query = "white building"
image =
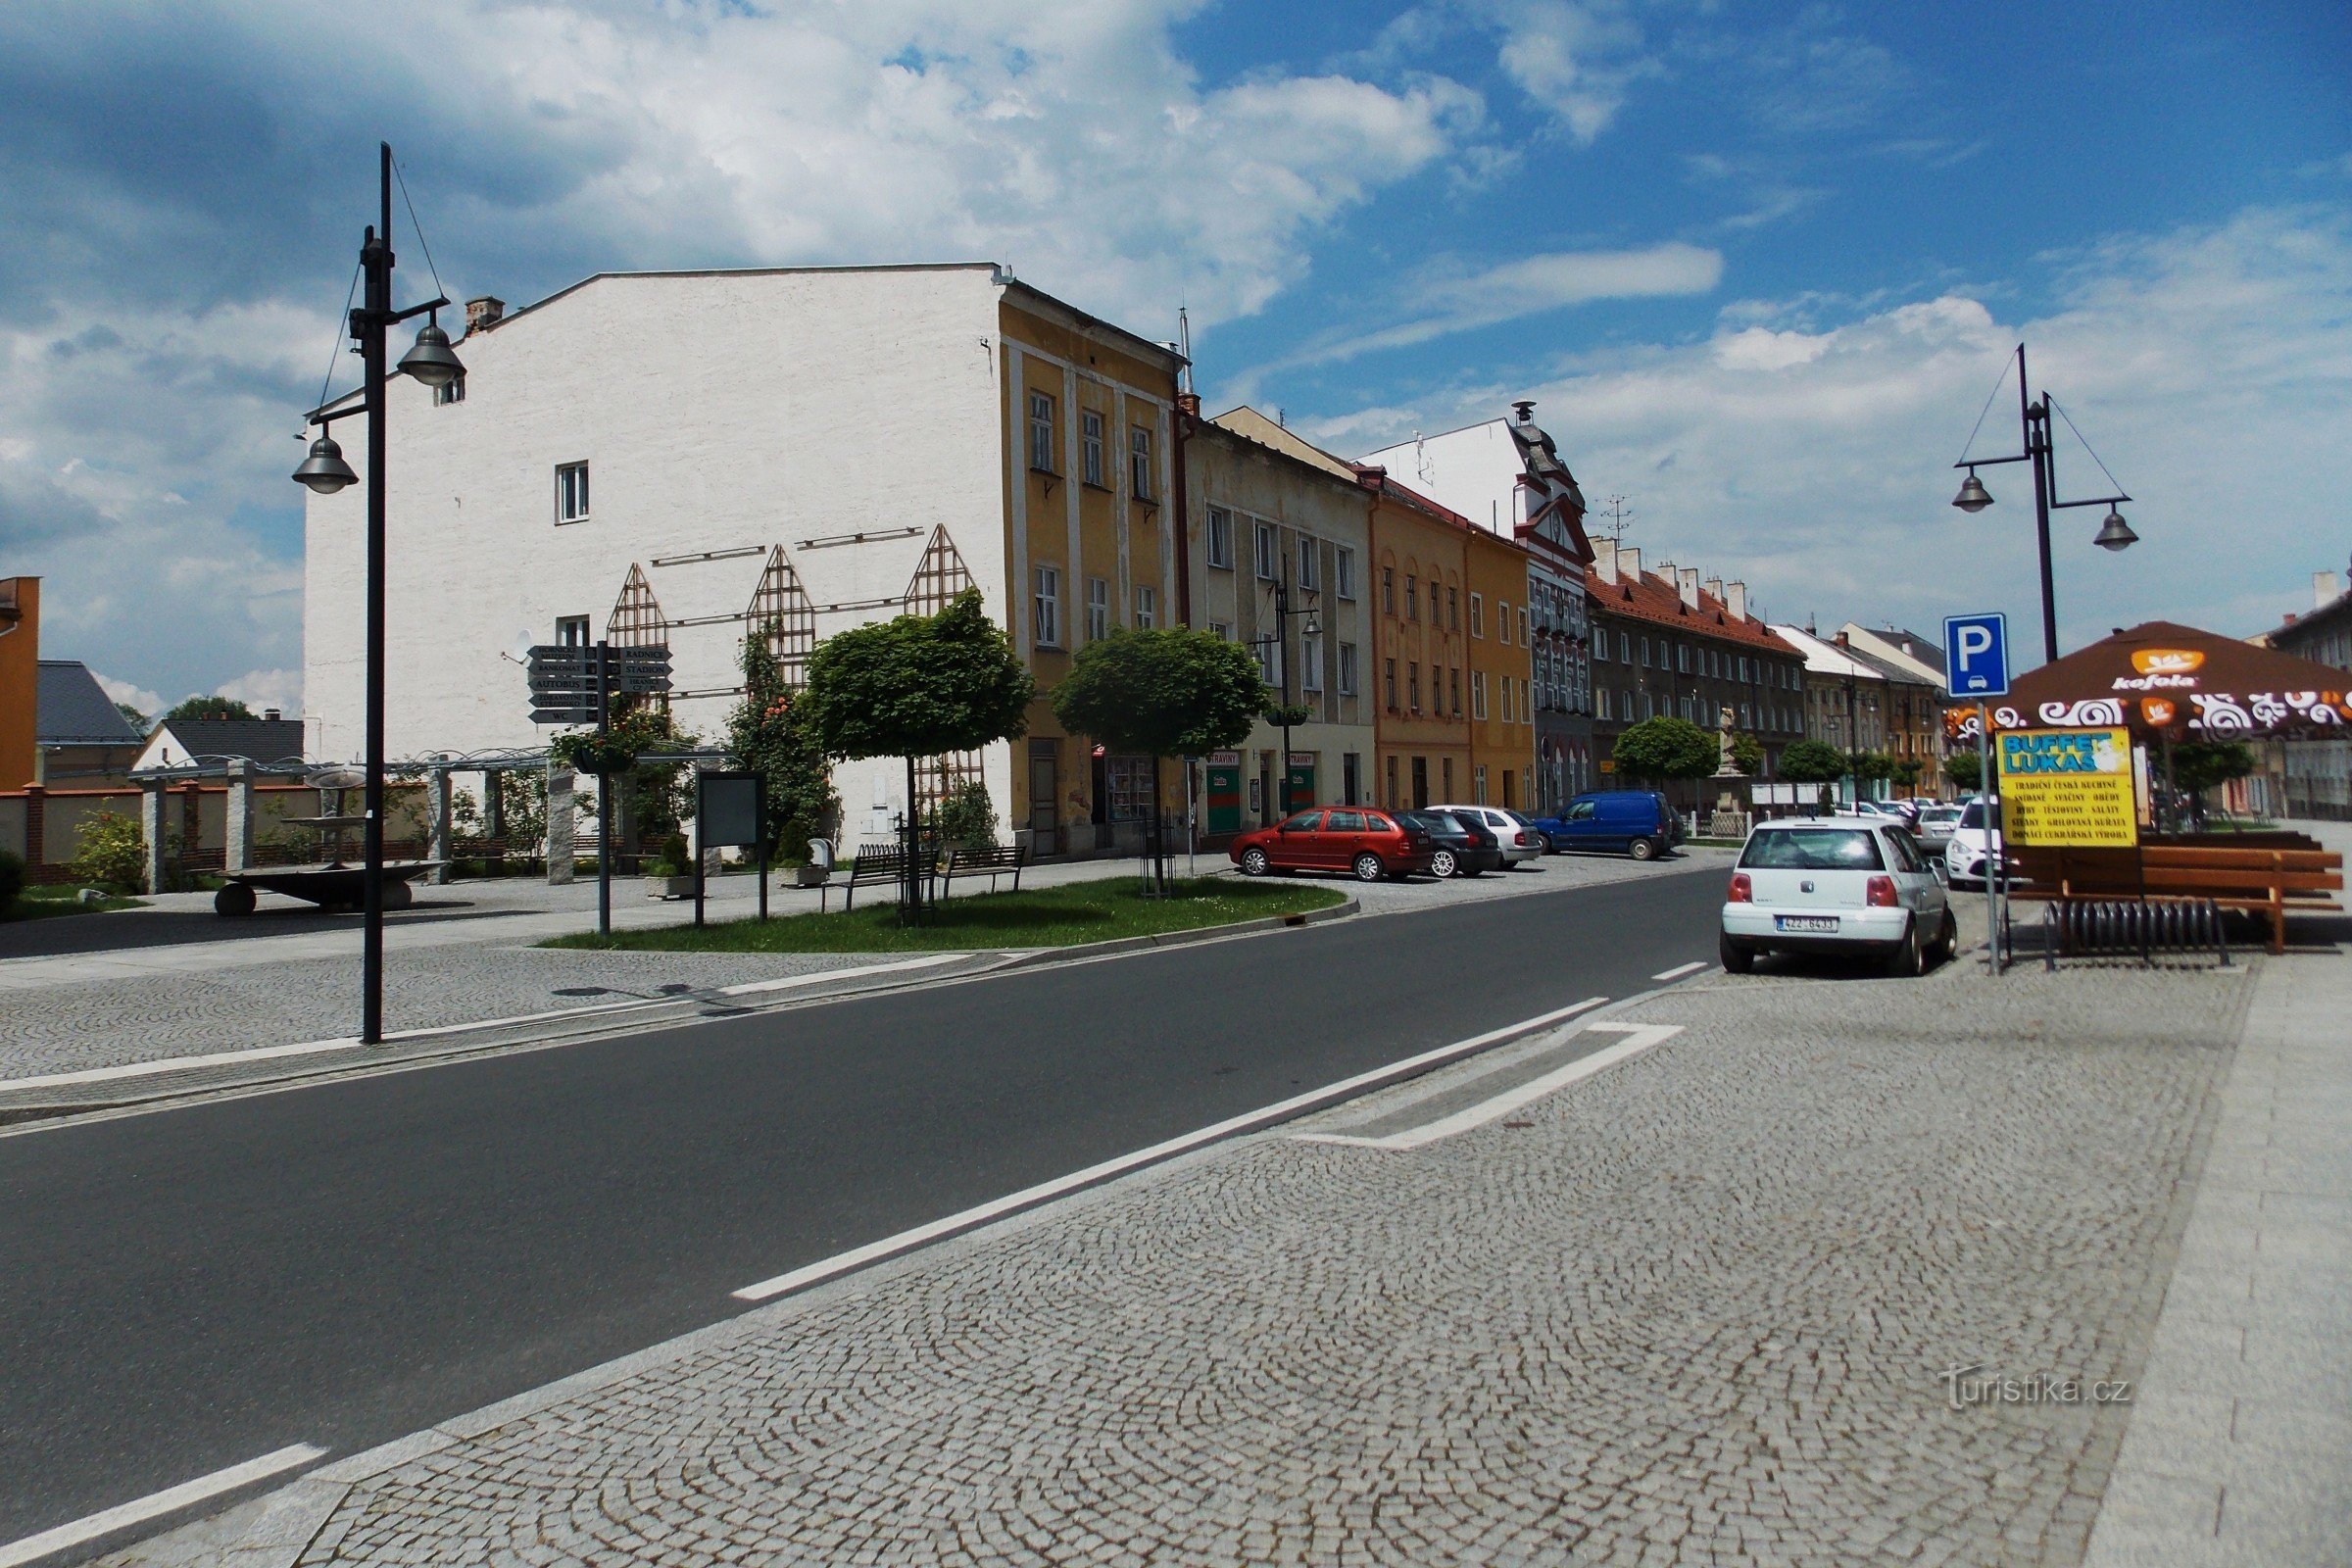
column 655, row 456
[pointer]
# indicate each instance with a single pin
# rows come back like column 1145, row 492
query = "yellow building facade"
column 1500, row 650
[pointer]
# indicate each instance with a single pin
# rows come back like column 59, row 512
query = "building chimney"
column 484, row 313
column 1189, row 402
column 272, row 714
column 1715, row 589
column 2322, row 589
column 1604, row 561
column 1735, row 600
column 1629, row 563
column 1685, row 583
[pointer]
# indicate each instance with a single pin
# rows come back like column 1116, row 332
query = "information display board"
column 2067, row 788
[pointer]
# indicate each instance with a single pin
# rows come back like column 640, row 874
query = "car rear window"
column 1814, row 849
column 1973, row 816
column 1345, row 822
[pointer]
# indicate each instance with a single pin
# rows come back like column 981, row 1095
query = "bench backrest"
column 985, row 858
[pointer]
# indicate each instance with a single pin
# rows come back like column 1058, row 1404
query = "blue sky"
column 1759, row 265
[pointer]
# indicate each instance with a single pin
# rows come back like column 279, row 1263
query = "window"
column 571, row 631
column 1089, row 438
column 1681, row 658
column 1346, row 669
column 1310, row 664
column 1502, row 621
column 1041, row 432
column 571, row 492
column 1097, row 609
column 1453, row 687
column 1453, row 611
column 1412, row 686
column 1311, row 564
column 1478, row 784
column 1413, row 599
column 1146, row 608
column 452, row 391
column 1344, row 578
column 1478, row 615
column 1478, row 694
column 1524, row 639
column 1221, row 630
column 1269, row 660
column 1220, row 537
column 1389, row 670
column 1743, row 667
column 1645, row 652
column 1601, row 703
column 1048, row 606
column 1600, row 649
column 1388, row 594
column 1139, row 463
column 1625, row 648
column 1269, row 554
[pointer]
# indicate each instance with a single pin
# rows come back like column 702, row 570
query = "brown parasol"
column 2160, row 679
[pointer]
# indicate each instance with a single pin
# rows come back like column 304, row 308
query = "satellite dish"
column 520, row 650
column 336, row 778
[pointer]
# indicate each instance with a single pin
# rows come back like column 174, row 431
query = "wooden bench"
column 874, row 866
column 2268, row 880
column 991, row 862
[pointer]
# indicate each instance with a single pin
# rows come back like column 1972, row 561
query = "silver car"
column 1843, row 884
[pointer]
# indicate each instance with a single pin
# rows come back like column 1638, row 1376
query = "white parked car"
column 1968, row 855
column 1518, row 836
column 1839, row 884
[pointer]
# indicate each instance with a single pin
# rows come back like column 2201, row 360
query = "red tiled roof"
column 1656, row 601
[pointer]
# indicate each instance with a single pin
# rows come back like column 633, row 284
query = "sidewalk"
column 1712, row 1305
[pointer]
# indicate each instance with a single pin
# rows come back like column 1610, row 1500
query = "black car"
column 1466, row 848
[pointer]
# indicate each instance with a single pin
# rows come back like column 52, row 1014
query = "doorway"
column 1044, row 794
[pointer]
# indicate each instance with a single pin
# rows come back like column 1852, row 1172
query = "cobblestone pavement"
column 1691, row 1310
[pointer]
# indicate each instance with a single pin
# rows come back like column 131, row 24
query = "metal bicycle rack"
column 2082, row 926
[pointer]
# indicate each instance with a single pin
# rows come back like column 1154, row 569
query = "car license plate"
column 1806, row 922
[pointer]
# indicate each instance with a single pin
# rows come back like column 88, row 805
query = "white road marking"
column 1029, row 1197
column 1639, row 1037
column 1680, row 970
column 308, row 1047
column 83, row 1531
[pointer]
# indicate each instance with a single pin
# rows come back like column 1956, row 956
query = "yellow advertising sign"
column 2067, row 788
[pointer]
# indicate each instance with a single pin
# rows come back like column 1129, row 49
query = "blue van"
column 1638, row 822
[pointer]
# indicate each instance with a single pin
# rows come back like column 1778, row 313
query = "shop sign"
column 2067, row 788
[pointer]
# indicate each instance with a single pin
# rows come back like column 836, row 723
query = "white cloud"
column 1577, row 61
column 264, row 689
column 140, row 697
column 2210, row 367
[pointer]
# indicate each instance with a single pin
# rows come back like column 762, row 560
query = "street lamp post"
column 1280, row 645
column 2033, row 416
column 324, row 472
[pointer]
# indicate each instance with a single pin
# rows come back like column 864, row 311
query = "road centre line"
column 218, row 1058
column 1680, row 970
column 1639, row 1036
column 1029, row 1197
column 32, row 1549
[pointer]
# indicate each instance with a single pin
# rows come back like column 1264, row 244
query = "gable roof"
column 1657, row 600
column 1906, row 653
column 257, row 740
column 71, row 709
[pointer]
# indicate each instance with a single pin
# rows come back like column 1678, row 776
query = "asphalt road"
column 347, row 1262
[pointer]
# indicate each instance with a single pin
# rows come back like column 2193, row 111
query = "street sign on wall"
column 566, row 677
column 1976, row 654
column 2067, row 788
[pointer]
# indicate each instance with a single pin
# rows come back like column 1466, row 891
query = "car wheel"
column 1908, row 961
column 1643, row 848
column 1738, row 957
column 1369, row 867
column 233, row 898
column 1255, row 863
column 1947, row 941
column 1442, row 863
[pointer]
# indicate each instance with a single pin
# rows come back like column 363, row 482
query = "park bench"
column 991, row 861
column 2274, row 879
column 875, row 866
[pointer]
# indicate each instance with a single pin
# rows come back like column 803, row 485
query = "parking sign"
column 1976, row 654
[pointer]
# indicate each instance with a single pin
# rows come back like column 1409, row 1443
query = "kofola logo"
column 2160, row 667
column 2158, row 712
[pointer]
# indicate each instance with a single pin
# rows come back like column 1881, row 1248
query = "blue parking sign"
column 1976, row 654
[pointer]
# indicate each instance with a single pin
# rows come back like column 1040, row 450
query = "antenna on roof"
column 1281, row 419
column 1615, row 514
column 1184, row 344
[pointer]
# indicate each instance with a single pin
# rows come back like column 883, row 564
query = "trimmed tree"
column 771, row 734
column 1666, row 748
column 1165, row 693
column 915, row 687
column 1812, row 762
column 1965, row 770
column 2201, row 765
column 212, row 707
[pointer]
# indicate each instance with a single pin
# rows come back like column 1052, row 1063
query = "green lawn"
column 38, row 904
column 1043, row 917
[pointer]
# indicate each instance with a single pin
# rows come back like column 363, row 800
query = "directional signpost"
column 575, row 684
column 1975, row 668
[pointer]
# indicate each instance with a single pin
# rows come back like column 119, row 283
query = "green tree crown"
column 1812, row 762
column 212, row 707
column 2201, row 765
column 1666, row 746
column 1162, row 693
column 1964, row 769
column 770, row 732
column 918, row 685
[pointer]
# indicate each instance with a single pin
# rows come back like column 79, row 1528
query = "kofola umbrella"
column 2166, row 682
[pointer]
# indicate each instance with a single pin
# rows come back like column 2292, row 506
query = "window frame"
column 1146, row 613
column 1344, row 672
column 1311, row 564
column 1478, row 615
column 1041, row 432
column 1265, row 543
column 1139, row 465
column 1098, row 609
column 1220, row 540
column 565, row 473
column 1343, row 583
column 1045, row 584
column 1090, row 447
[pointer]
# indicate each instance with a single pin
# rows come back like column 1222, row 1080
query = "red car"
column 1355, row 839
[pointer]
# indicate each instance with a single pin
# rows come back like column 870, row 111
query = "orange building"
column 19, row 678
column 1502, row 651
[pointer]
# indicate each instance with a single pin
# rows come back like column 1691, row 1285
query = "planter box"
column 669, row 887
column 810, row 876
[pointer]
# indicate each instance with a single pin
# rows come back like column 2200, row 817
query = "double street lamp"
column 324, row 472
column 1280, row 644
column 2114, row 534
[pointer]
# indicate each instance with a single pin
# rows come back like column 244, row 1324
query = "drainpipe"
column 1188, row 410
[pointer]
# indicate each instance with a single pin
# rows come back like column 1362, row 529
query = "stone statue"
column 1725, row 767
